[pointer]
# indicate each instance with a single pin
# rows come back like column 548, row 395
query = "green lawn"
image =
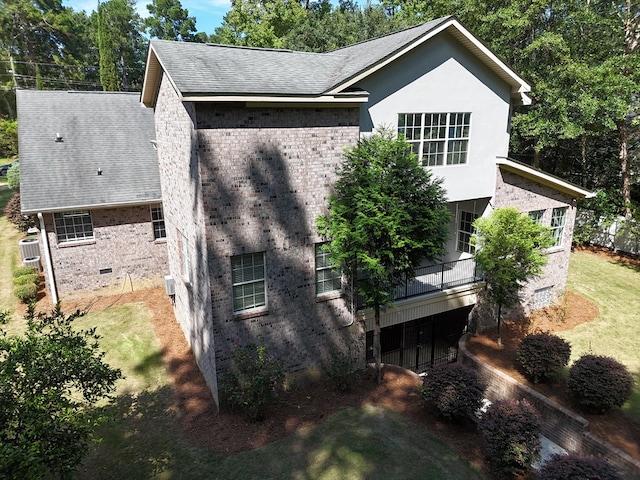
column 9, row 253
column 615, row 289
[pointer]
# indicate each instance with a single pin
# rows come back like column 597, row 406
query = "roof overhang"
column 543, row 178
column 519, row 88
column 152, row 75
column 69, row 208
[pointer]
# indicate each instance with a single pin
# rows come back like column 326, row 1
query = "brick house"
column 248, row 144
column 89, row 172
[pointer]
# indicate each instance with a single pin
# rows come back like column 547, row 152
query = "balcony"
column 436, row 278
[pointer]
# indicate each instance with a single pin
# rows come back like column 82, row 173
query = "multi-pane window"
column 536, row 216
column 73, row 226
column 157, row 219
column 328, row 279
column 248, row 279
column 558, row 218
column 466, row 231
column 437, row 138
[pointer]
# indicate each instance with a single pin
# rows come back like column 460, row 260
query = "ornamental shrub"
column 27, row 278
column 24, row 270
column 14, row 215
column 542, row 355
column 26, row 292
column 599, row 383
column 576, row 466
column 454, row 389
column 253, row 380
column 511, row 431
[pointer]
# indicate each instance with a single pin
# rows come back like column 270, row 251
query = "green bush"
column 24, row 270
column 8, row 137
column 542, row 355
column 575, row 466
column 511, row 432
column 26, row 292
column 599, row 383
column 454, row 389
column 253, row 380
column 26, row 279
column 13, row 177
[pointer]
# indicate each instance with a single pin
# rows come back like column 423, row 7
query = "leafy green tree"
column 8, row 137
column 50, row 380
column 169, row 21
column 510, row 250
column 386, row 216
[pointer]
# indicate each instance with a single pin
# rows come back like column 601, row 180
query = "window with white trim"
column 157, row 219
column 558, row 219
column 536, row 216
column 73, row 226
column 248, row 275
column 328, row 279
column 437, row 138
column 466, row 231
column 542, row 298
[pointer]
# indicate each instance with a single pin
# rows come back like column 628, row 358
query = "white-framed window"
column 157, row 219
column 328, row 279
column 73, row 226
column 248, row 274
column 536, row 216
column 558, row 219
column 542, row 297
column 437, row 138
column 466, row 231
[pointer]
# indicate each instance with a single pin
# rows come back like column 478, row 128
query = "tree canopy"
column 50, row 379
column 387, row 215
column 510, row 250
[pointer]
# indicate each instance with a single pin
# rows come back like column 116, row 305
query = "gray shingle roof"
column 99, row 130
column 221, row 69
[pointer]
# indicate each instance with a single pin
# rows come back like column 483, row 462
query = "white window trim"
column 317, row 249
column 446, row 139
column 255, row 308
column 62, row 240
column 537, row 216
column 558, row 237
column 157, row 222
column 459, row 231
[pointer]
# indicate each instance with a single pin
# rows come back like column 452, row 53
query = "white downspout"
column 47, row 257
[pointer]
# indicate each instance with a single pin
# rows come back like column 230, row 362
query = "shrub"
column 26, row 292
column 24, row 270
column 339, row 367
column 253, row 381
column 13, row 177
column 8, row 137
column 14, row 215
column 542, row 355
column 599, row 383
column 511, row 431
column 576, row 466
column 27, row 278
column 454, row 389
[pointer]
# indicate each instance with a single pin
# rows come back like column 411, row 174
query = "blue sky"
column 208, row 13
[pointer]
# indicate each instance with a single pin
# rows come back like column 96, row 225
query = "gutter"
column 47, row 257
column 95, row 206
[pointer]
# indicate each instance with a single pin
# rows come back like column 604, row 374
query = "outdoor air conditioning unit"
column 29, row 247
column 32, row 262
column 169, row 285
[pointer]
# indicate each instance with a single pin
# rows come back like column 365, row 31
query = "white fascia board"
column 151, row 82
column 275, row 99
column 543, row 178
column 92, row 206
column 520, row 87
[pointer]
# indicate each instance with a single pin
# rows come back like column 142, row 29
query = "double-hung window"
column 558, row 218
column 437, row 138
column 328, row 279
column 157, row 219
column 466, row 231
column 73, row 226
column 248, row 278
column 536, row 216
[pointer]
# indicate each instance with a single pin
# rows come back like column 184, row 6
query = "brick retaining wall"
column 560, row 425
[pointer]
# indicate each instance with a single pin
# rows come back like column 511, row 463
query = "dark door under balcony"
column 422, row 343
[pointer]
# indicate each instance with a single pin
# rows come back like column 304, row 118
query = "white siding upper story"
column 441, row 76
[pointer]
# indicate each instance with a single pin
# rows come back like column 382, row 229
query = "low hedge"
column 454, row 389
column 542, row 355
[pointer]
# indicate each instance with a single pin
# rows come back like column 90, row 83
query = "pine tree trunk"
column 624, row 168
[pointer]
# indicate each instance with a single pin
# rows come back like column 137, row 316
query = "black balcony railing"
column 435, row 278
